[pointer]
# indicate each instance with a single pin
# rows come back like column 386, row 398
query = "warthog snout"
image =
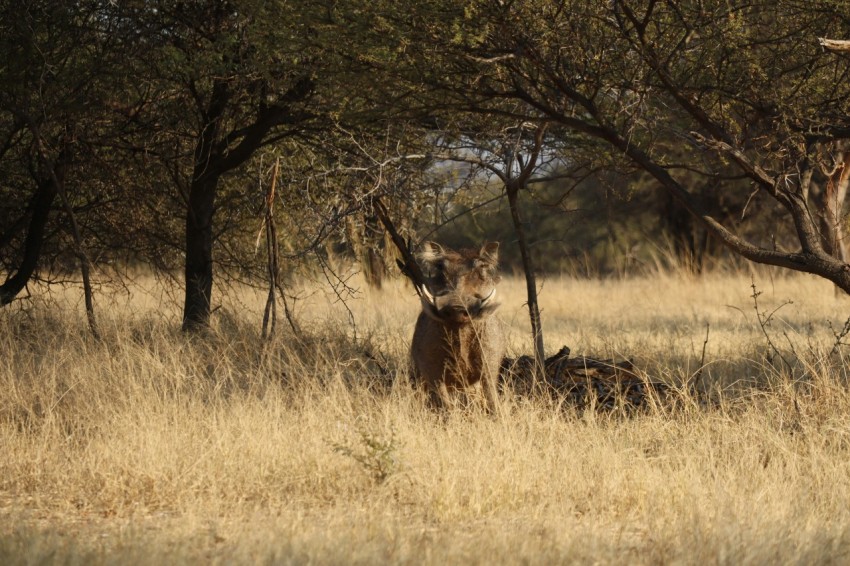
column 457, row 343
column 453, row 307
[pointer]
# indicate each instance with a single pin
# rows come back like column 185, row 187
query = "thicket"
column 234, row 140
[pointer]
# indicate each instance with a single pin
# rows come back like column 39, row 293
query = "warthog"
column 458, row 343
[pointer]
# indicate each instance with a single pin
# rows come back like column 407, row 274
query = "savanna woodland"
column 210, row 212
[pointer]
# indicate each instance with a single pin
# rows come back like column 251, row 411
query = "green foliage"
column 711, row 99
column 597, row 227
column 139, row 98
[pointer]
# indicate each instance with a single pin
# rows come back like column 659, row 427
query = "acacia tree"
column 230, row 78
column 59, row 81
column 737, row 84
column 518, row 156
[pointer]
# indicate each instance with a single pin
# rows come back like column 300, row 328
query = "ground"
column 151, row 447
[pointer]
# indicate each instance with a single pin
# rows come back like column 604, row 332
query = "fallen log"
column 584, row 382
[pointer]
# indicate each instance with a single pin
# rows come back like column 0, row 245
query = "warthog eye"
column 437, row 270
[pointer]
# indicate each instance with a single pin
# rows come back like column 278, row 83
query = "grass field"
column 152, row 447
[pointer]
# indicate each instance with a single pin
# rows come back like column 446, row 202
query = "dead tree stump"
column 584, row 382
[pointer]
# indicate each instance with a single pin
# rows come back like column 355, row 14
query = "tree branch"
column 835, row 45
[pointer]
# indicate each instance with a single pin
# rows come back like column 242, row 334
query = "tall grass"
column 154, row 447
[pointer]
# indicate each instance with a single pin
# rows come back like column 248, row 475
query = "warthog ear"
column 490, row 253
column 431, row 251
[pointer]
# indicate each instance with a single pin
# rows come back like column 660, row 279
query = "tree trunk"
column 530, row 281
column 199, row 241
column 199, row 214
column 835, row 195
column 79, row 250
column 374, row 237
column 56, row 178
column 831, row 207
column 680, row 227
column 214, row 157
column 40, row 207
column 364, row 241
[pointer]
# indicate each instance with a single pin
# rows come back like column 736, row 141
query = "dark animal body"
column 458, row 344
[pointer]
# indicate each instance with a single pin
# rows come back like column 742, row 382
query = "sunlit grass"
column 154, row 447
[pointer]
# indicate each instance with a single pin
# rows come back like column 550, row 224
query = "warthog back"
column 458, row 343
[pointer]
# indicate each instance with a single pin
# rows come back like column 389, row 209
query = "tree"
column 58, row 80
column 516, row 156
column 737, row 84
column 247, row 74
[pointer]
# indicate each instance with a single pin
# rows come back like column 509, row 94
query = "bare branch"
column 755, row 172
column 409, row 266
column 835, row 45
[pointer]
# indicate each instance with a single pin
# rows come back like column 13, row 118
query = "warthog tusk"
column 426, row 294
column 490, row 295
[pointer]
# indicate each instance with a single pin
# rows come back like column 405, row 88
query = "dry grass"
column 152, row 447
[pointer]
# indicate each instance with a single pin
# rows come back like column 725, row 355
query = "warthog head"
column 456, row 344
column 459, row 286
